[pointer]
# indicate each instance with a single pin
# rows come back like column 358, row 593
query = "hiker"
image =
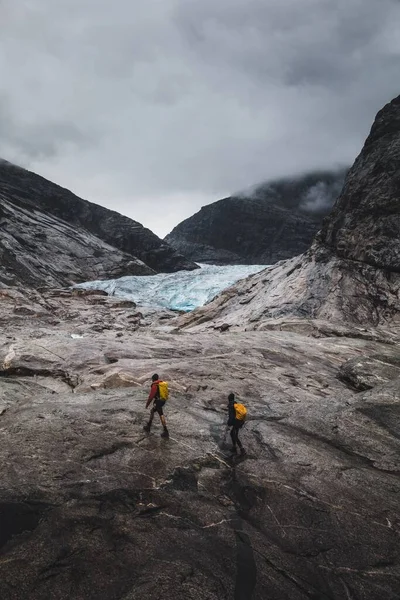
column 236, row 419
column 159, row 395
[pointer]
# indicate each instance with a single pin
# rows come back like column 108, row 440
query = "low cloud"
column 321, row 196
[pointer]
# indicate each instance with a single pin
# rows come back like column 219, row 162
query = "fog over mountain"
column 270, row 222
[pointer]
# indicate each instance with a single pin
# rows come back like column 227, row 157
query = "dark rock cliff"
column 276, row 221
column 365, row 222
column 50, row 236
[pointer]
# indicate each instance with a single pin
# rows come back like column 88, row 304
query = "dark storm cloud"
column 315, row 41
column 155, row 108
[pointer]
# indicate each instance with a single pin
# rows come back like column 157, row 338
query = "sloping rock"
column 50, row 236
column 93, row 508
column 117, row 379
column 37, row 249
column 352, row 271
column 275, row 221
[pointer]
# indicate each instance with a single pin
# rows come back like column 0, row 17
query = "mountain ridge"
column 272, row 222
column 50, row 236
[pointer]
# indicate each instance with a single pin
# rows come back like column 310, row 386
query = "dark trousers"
column 235, row 435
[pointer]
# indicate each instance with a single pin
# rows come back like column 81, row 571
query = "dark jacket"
column 232, row 414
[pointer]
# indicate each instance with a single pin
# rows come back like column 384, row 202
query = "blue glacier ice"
column 185, row 290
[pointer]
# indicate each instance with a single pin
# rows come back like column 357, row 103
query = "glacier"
column 184, row 290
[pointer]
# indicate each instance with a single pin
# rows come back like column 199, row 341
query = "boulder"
column 366, row 372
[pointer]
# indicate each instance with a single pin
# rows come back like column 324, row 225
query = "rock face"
column 92, row 508
column 365, row 223
column 276, row 221
column 49, row 236
column 352, row 271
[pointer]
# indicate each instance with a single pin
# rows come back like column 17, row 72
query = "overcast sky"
column 157, row 107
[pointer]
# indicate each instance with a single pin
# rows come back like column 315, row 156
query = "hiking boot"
column 146, row 428
column 165, row 433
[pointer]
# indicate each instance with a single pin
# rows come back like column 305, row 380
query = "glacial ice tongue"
column 184, row 290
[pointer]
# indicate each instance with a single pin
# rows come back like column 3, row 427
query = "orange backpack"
column 240, row 411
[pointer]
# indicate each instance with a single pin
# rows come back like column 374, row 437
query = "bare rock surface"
column 50, row 236
column 304, row 287
column 92, row 508
column 39, row 249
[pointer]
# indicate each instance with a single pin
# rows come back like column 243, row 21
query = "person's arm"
column 152, row 395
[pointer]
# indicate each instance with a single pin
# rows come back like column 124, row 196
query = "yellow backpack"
column 240, row 411
column 163, row 390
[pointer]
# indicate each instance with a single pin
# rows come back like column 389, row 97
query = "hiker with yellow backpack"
column 236, row 420
column 158, row 395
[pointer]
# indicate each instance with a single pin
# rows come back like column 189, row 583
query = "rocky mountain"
column 352, row 271
column 275, row 221
column 49, row 236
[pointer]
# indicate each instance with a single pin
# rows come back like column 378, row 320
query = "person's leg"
column 159, row 408
column 239, row 443
column 234, row 438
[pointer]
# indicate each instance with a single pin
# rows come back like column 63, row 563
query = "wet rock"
column 183, row 479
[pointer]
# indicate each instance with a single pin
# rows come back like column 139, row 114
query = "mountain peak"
column 271, row 222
